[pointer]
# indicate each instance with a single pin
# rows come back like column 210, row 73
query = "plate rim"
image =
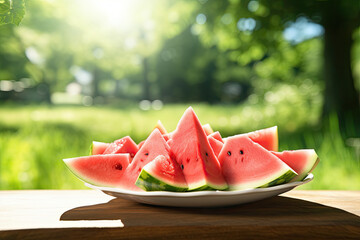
column 291, row 185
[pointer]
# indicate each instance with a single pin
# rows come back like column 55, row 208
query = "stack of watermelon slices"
column 193, row 158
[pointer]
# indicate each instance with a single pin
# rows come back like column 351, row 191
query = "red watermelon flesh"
column 101, row 170
column 246, row 165
column 215, row 144
column 301, row 161
column 123, row 145
column 98, row 147
column 167, row 136
column 217, row 136
column 207, row 129
column 194, row 154
column 162, row 174
column 162, row 129
column 141, row 144
column 268, row 138
column 154, row 146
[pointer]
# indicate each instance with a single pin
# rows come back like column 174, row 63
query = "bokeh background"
column 74, row 71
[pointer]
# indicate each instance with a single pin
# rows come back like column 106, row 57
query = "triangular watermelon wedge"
column 301, row 161
column 215, row 144
column 153, row 146
column 194, row 154
column 123, row 145
column 141, row 144
column 268, row 138
column 207, row 129
column 162, row 174
column 162, row 129
column 98, row 147
column 217, row 136
column 101, row 170
column 246, row 165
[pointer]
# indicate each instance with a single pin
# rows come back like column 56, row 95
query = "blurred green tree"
column 11, row 11
column 253, row 29
column 214, row 51
column 110, row 40
column 185, row 70
column 107, row 42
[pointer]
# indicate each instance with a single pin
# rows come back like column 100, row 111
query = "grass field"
column 34, row 139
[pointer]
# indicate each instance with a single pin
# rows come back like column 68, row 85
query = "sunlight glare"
column 118, row 14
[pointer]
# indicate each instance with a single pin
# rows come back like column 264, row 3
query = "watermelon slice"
column 141, row 144
column 167, row 136
column 162, row 130
column 215, row 144
column 153, row 146
column 301, row 161
column 268, row 138
column 246, row 165
column 162, row 174
column 101, row 170
column 123, row 145
column 161, row 127
column 98, row 147
column 207, row 129
column 194, row 154
column 217, row 136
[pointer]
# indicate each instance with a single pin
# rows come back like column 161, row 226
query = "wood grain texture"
column 80, row 214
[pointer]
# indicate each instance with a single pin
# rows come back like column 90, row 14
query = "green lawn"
column 35, row 139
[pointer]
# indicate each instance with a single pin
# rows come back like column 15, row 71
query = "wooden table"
column 89, row 214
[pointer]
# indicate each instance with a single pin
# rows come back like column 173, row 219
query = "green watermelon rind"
column 68, row 162
column 148, row 182
column 281, row 177
column 310, row 166
column 91, row 149
column 285, row 178
column 217, row 187
column 207, row 187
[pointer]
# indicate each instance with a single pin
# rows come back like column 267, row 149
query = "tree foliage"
column 11, row 11
column 90, row 40
column 252, row 30
column 204, row 51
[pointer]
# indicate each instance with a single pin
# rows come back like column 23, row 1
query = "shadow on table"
column 273, row 218
column 275, row 211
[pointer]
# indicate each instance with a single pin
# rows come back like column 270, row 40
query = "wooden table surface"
column 90, row 214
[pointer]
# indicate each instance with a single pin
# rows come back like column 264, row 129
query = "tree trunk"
column 340, row 95
column 146, row 83
column 44, row 88
column 95, row 83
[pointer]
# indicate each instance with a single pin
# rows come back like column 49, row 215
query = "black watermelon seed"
column 118, row 166
column 206, row 154
column 229, row 153
column 241, row 152
column 182, row 167
column 146, row 154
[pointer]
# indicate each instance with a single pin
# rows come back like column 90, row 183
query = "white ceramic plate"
column 201, row 198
